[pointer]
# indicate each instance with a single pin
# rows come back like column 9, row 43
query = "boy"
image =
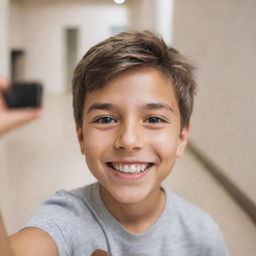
column 132, row 100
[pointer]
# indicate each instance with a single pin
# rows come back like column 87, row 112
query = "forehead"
column 133, row 88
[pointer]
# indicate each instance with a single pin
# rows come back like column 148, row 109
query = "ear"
column 183, row 140
column 80, row 137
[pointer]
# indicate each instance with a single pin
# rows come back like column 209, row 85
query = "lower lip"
column 130, row 176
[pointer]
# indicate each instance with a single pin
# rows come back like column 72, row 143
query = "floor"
column 43, row 156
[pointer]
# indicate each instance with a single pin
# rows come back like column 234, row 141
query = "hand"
column 99, row 252
column 11, row 118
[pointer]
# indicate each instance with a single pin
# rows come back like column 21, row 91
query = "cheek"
column 165, row 144
column 95, row 143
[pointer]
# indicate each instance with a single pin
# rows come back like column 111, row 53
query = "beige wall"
column 154, row 15
column 141, row 14
column 220, row 36
column 4, row 18
column 38, row 28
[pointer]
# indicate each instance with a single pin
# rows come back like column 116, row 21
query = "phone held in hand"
column 24, row 95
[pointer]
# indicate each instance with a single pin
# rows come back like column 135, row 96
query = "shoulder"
column 64, row 216
column 187, row 213
column 60, row 209
column 74, row 201
column 196, row 225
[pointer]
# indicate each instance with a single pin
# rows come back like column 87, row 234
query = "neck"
column 137, row 217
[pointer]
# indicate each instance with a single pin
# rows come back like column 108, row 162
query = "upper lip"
column 130, row 162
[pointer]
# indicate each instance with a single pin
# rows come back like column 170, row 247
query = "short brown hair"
column 132, row 50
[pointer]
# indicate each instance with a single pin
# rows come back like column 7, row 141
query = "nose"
column 129, row 137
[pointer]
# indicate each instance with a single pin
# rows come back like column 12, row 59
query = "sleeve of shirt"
column 57, row 216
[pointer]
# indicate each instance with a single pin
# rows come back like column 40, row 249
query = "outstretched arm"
column 5, row 248
column 27, row 242
column 30, row 241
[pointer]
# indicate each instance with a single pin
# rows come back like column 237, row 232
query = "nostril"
column 128, row 141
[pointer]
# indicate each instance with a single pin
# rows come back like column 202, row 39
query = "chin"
column 129, row 195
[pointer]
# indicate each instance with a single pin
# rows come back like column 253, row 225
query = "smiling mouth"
column 129, row 168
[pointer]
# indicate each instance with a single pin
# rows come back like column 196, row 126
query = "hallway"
column 42, row 157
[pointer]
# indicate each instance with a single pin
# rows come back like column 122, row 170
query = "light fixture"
column 119, row 1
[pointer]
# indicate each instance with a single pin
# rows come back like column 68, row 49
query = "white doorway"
column 71, row 53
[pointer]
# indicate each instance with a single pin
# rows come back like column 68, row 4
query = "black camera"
column 24, row 95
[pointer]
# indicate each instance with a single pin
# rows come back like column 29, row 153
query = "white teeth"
column 133, row 168
column 126, row 168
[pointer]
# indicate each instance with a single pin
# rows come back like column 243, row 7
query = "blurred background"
column 44, row 40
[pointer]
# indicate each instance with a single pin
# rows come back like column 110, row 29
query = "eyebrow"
column 156, row 106
column 101, row 106
column 109, row 106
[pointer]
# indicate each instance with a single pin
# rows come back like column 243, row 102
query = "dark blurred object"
column 24, row 95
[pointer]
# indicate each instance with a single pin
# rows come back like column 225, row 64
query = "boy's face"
column 131, row 134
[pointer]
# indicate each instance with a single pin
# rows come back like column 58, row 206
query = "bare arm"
column 31, row 242
column 5, row 248
column 28, row 242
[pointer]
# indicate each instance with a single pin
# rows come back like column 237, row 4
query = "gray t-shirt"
column 80, row 224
